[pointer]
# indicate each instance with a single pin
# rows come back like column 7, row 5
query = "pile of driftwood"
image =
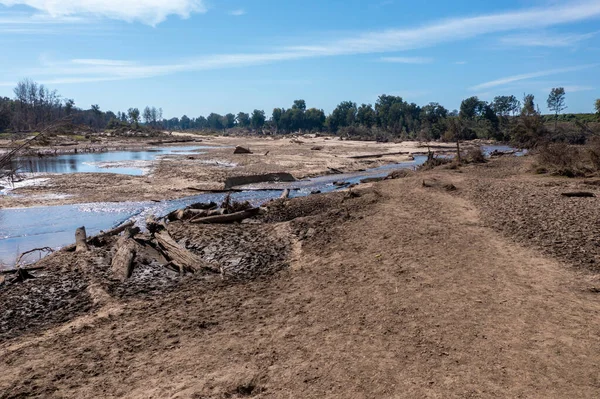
column 126, row 242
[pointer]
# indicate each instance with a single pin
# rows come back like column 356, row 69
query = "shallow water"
column 130, row 162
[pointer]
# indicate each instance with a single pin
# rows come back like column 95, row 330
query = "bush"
column 563, row 160
column 475, row 155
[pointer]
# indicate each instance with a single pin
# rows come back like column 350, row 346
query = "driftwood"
column 378, row 155
column 579, row 194
column 285, row 194
column 122, row 263
column 177, row 255
column 44, row 249
column 335, row 171
column 97, row 238
column 242, row 150
column 27, row 269
column 229, row 218
column 81, row 240
column 21, row 276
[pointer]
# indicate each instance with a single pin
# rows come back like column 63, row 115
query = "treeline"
column 506, row 118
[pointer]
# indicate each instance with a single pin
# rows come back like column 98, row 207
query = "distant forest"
column 506, row 118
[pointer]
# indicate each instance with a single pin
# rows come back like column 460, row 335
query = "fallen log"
column 81, row 240
column 103, row 234
column 177, row 255
column 378, row 155
column 229, row 218
column 122, row 263
column 27, row 269
column 580, row 194
column 21, row 276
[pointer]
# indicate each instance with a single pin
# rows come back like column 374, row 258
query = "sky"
column 195, row 57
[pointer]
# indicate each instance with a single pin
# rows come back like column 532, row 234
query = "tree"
column 366, row 116
column 147, row 115
column 528, row 105
column 314, row 119
column 343, row 115
column 229, row 121
column 597, row 105
column 556, row 103
column 432, row 121
column 243, row 119
column 134, row 116
column 215, row 121
column 471, row 107
column 69, row 106
column 258, row 119
column 299, row 104
column 506, row 105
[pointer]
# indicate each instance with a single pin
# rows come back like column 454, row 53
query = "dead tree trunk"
column 176, row 254
column 229, row 218
column 122, row 263
column 81, row 240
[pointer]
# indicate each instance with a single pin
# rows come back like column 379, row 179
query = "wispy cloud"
column 544, row 39
column 407, row 60
column 532, row 75
column 436, row 33
column 151, row 12
column 460, row 63
column 238, row 12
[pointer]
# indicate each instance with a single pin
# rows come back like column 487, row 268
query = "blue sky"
column 194, row 57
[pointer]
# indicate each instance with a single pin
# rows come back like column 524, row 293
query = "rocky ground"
column 474, row 282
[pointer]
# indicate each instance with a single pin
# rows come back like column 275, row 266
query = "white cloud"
column 366, row 43
column 150, row 12
column 457, row 29
column 460, row 63
column 525, row 76
column 238, row 12
column 407, row 60
column 542, row 39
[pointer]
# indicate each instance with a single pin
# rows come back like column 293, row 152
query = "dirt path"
column 412, row 297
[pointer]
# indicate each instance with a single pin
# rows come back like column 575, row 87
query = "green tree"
column 69, row 106
column 215, row 121
column 185, row 123
column 258, row 119
column 343, row 115
column 243, row 119
column 528, row 105
column 471, row 107
column 366, row 116
column 506, row 105
column 299, row 104
column 432, row 121
column 147, row 115
column 556, row 103
column 229, row 121
column 314, row 119
column 134, row 116
column 597, row 106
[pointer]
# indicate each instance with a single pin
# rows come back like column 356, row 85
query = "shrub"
column 562, row 159
column 475, row 155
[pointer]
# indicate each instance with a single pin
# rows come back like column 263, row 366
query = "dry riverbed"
column 475, row 282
